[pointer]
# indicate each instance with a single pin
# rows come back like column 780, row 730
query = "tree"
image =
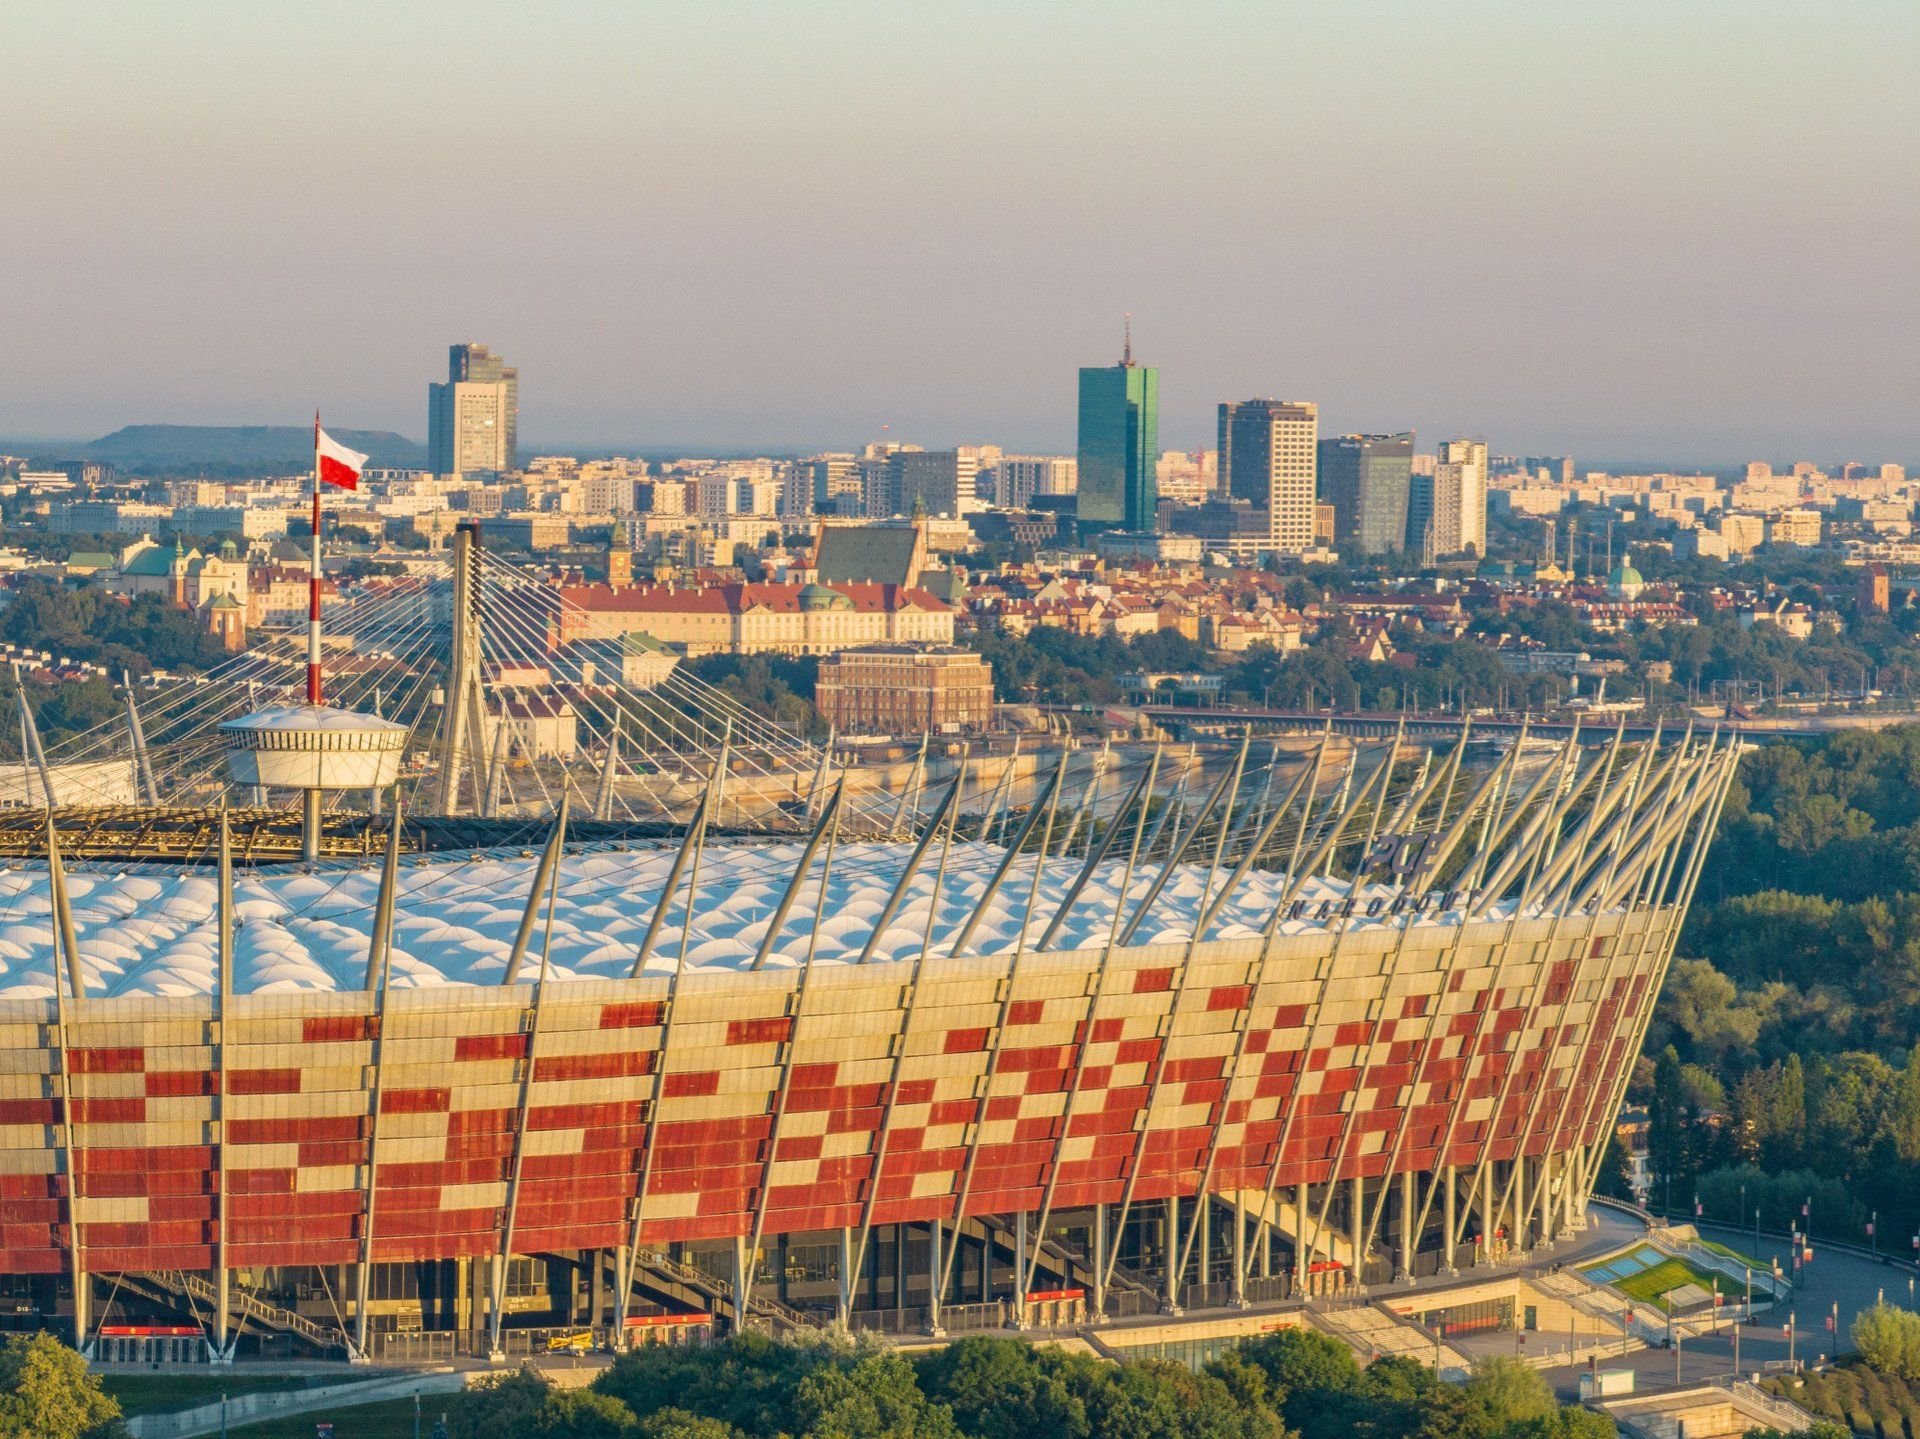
column 1313, row 1379
column 1709, row 1010
column 1004, row 1389
column 1504, row 1392
column 1157, row 1399
column 679, row 1424
column 47, row 1393
column 871, row 1397
column 1903, row 1118
column 1889, row 1340
column 1667, row 1118
column 582, row 1414
column 499, row 1406
column 1819, row 1429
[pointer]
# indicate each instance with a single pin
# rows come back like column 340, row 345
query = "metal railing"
column 239, row 1301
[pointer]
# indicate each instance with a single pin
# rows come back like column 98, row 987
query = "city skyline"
column 1597, row 231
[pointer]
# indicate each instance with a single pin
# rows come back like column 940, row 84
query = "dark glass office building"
column 1366, row 478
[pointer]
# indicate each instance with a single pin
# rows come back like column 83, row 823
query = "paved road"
column 1853, row 1282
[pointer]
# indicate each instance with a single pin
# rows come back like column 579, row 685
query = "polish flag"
column 337, row 464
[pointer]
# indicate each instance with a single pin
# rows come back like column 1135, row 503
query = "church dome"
column 1625, row 582
column 819, row 597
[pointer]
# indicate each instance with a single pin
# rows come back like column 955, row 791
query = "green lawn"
column 1651, row 1285
column 388, row 1419
column 1737, row 1257
column 165, row 1393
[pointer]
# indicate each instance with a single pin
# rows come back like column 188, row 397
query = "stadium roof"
column 152, row 931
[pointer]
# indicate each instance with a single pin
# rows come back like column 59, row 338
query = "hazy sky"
column 1679, row 229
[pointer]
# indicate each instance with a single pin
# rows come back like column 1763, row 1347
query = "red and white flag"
column 336, row 464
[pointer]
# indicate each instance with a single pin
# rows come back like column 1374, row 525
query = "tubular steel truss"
column 1436, row 1013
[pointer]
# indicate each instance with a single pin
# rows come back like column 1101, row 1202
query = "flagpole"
column 313, row 583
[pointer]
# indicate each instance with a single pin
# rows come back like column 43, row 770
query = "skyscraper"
column 473, row 420
column 1268, row 459
column 1447, row 510
column 1366, row 480
column 1119, row 444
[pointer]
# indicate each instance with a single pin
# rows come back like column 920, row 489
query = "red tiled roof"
column 736, row 598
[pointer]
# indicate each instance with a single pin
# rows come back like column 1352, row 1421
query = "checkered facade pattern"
column 468, row 1122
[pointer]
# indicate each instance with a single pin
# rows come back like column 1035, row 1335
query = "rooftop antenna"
column 1126, row 349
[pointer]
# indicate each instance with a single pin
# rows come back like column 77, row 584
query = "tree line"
column 1785, row 1051
column 1295, row 1384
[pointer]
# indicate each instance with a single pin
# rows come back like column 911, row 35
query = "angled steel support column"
column 222, row 1018
column 1701, row 842
column 542, row 881
column 511, row 1215
column 1099, row 1257
column 1171, row 1300
column 1044, row 806
column 1532, row 837
column 1659, row 798
column 830, row 822
column 1228, row 785
column 909, row 1001
column 935, row 1274
column 1084, row 1040
column 379, row 975
column 1094, row 776
column 898, row 895
column 1048, row 812
column 1185, row 842
column 69, row 1124
column 691, row 846
column 1536, row 1002
column 1702, row 796
column 1257, row 977
column 1097, row 854
column 1535, row 849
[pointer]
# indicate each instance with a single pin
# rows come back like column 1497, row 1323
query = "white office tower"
column 473, row 420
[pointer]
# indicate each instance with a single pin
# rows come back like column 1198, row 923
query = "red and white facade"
column 1414, row 1081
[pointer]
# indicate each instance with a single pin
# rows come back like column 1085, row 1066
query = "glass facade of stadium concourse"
column 1338, row 1036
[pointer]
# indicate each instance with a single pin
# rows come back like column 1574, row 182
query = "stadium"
column 691, row 1025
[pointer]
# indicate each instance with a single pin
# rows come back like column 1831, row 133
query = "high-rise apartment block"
column 473, row 420
column 1268, row 458
column 1447, row 510
column 1119, row 445
column 829, row 477
column 1367, row 478
column 1018, row 478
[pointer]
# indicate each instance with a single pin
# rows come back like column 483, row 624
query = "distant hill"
column 217, row 449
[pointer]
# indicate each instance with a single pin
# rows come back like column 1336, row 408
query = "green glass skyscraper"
column 1119, row 445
